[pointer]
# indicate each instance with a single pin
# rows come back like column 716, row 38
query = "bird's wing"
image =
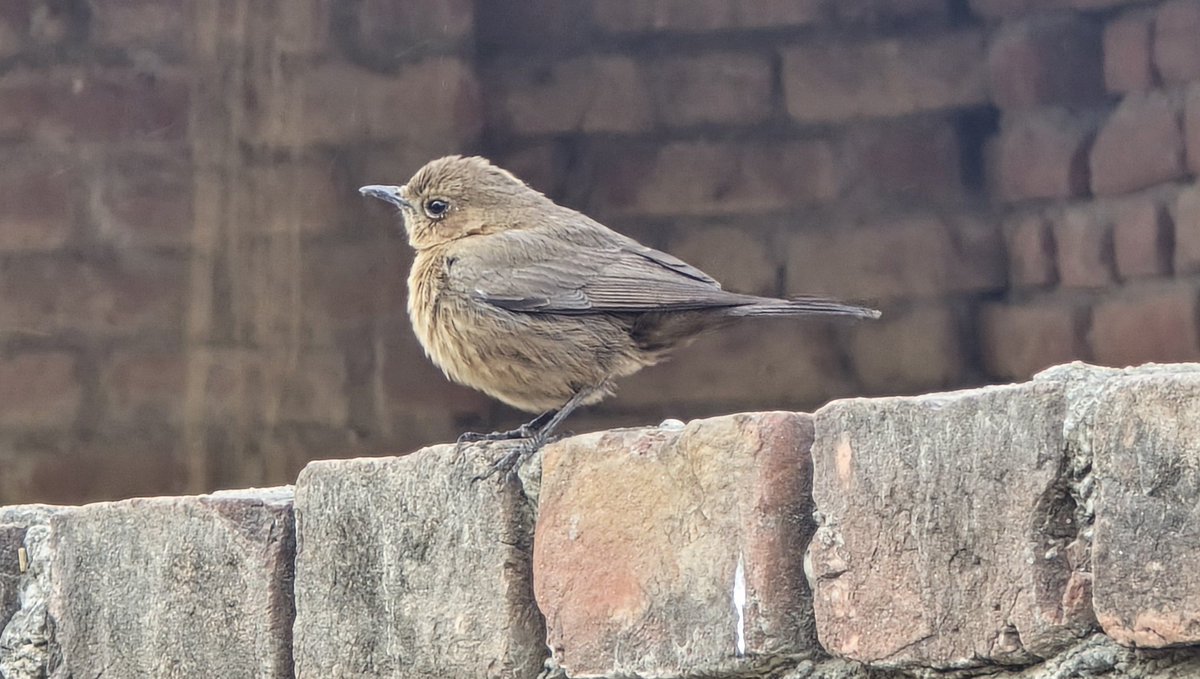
column 618, row 277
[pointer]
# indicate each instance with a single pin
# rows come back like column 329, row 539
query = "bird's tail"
column 801, row 306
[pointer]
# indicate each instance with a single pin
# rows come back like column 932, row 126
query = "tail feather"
column 801, row 306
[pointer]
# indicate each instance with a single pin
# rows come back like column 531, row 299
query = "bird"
column 543, row 308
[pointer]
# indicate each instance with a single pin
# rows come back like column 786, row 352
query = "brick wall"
column 193, row 296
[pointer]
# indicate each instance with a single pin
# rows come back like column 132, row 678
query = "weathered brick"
column 909, row 351
column 1043, row 155
column 1141, row 238
column 129, row 466
column 588, row 94
column 692, row 16
column 1031, row 259
column 917, row 160
column 1147, row 590
column 697, row 178
column 1018, row 340
column 389, row 606
column 1158, row 323
column 200, row 585
column 649, row 569
column 1186, row 213
column 39, row 390
column 834, row 81
column 142, row 386
column 1128, row 55
column 1084, row 248
column 145, row 200
column 743, row 259
column 1141, row 144
column 1176, row 49
column 950, row 473
column 1053, row 60
column 912, row 257
column 36, row 200
column 1193, row 129
column 712, row 88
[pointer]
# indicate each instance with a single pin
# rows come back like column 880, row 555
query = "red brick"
column 1127, row 53
column 145, row 200
column 909, row 351
column 36, row 200
column 918, row 160
column 94, row 106
column 1031, row 252
column 142, row 386
column 1193, row 129
column 1083, row 244
column 701, row 16
column 833, row 81
column 1176, row 47
column 742, row 259
column 911, row 257
column 588, row 94
column 1151, row 324
column 1043, row 156
column 1019, row 340
column 343, row 104
column 1056, row 60
column 696, row 178
column 1186, row 213
column 38, row 390
column 1142, row 238
column 1140, row 145
column 712, row 88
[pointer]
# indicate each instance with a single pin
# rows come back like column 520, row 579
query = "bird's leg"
column 527, row 430
column 543, row 435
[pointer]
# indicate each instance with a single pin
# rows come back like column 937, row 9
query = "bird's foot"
column 510, row 461
column 522, row 432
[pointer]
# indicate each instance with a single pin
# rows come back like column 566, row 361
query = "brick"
column 947, row 472
column 344, row 287
column 742, row 259
column 379, row 26
column 145, row 200
column 1084, row 248
column 713, row 178
column 883, row 11
column 1193, row 129
column 317, row 194
column 141, row 463
column 553, row 26
column 1176, row 50
column 142, row 386
column 36, row 201
column 39, row 390
column 389, row 606
column 690, row 16
column 770, row 364
column 649, row 569
column 65, row 106
column 1054, row 60
column 344, row 104
column 1140, row 145
column 14, row 28
column 918, row 160
column 126, row 297
column 712, row 88
column 1142, row 238
column 1147, row 592
column 201, row 585
column 586, row 94
column 313, row 389
column 909, row 351
column 142, row 25
column 1128, row 55
column 835, row 81
column 1150, row 324
column 911, row 257
column 1018, row 340
column 1031, row 257
column 1043, row 156
column 1186, row 213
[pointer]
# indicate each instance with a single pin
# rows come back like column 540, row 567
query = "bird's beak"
column 388, row 194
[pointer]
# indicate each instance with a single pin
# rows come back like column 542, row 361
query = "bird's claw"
column 522, row 432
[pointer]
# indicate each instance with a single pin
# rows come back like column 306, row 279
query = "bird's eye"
column 436, row 208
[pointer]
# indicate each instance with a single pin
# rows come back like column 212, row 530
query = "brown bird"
column 541, row 307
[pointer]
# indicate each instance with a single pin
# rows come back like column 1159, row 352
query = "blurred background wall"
column 193, row 295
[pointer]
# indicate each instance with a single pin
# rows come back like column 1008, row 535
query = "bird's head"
column 455, row 197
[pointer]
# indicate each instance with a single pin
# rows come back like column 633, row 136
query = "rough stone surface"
column 12, row 538
column 25, row 633
column 174, row 587
column 1147, row 461
column 405, row 567
column 945, row 521
column 663, row 552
